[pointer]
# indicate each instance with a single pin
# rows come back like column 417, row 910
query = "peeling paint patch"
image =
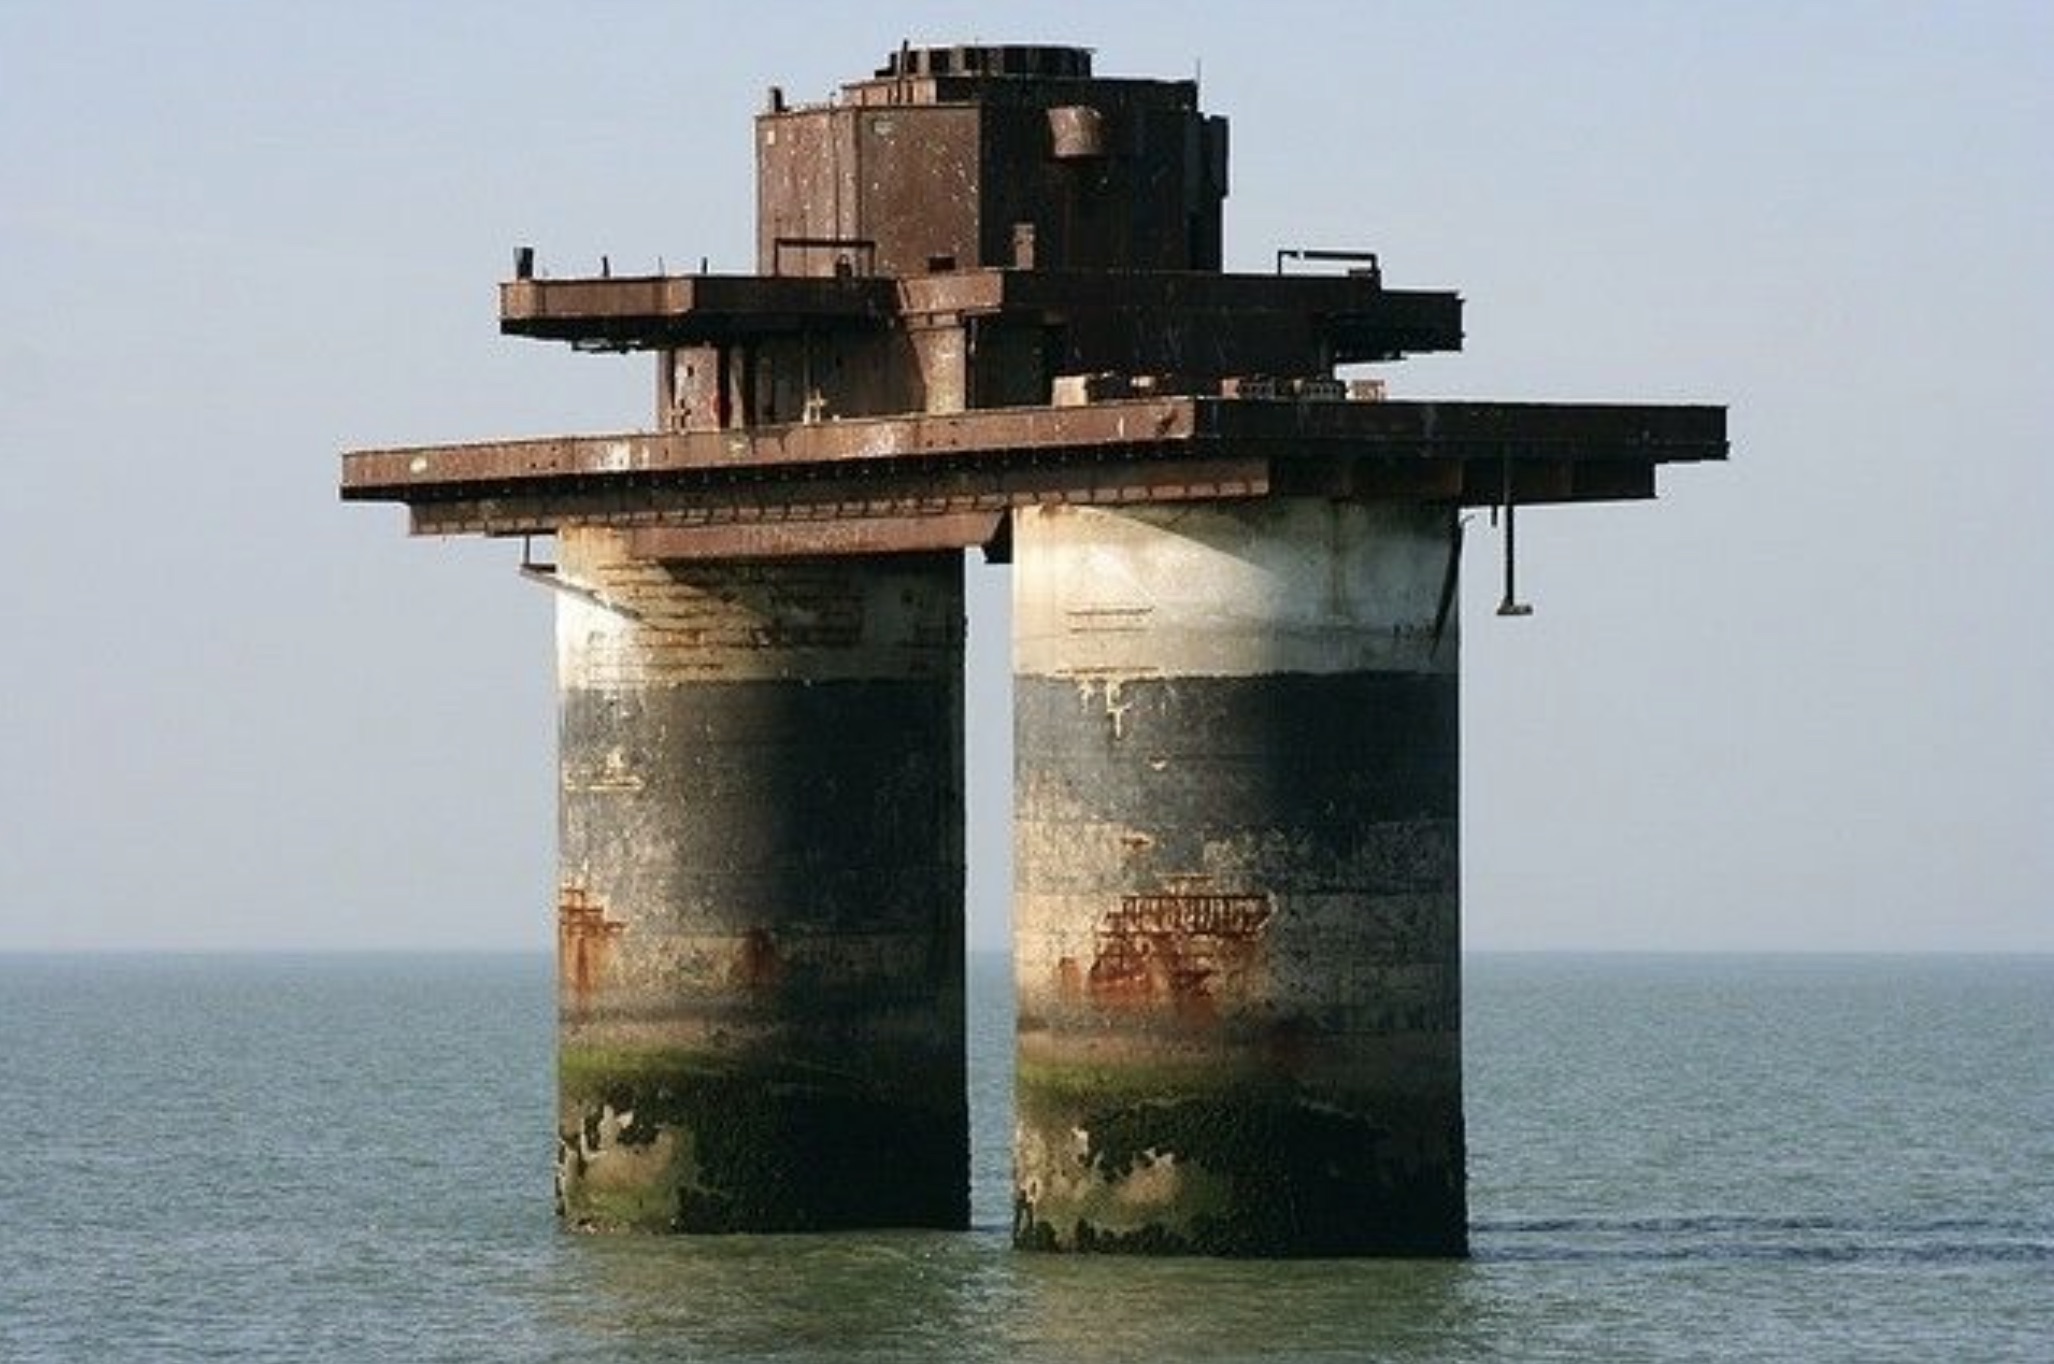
column 615, row 1182
column 1188, row 946
column 1092, row 689
column 613, row 773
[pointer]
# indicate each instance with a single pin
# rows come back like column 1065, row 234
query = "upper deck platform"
column 1352, row 318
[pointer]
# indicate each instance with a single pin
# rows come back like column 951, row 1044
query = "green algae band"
column 661, row 1141
column 1227, row 1170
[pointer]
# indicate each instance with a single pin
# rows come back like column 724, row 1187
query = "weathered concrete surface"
column 761, row 909
column 1236, row 914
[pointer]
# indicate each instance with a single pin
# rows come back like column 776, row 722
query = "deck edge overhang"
column 1471, row 453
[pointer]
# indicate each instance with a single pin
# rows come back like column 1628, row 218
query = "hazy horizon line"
column 541, row 953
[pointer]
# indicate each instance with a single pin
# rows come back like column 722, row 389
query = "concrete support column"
column 761, row 918
column 1236, row 905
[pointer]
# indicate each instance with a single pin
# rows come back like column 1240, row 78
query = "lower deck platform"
column 928, row 481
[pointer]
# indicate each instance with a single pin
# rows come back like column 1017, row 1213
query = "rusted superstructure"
column 989, row 311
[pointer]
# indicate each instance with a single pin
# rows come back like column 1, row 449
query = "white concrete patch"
column 1304, row 585
column 625, row 623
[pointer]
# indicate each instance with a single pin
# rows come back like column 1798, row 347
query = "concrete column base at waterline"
column 761, row 916
column 1236, row 911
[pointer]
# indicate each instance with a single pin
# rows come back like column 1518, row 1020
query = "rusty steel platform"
column 908, row 481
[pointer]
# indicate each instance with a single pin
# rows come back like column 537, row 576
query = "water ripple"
column 1731, row 1237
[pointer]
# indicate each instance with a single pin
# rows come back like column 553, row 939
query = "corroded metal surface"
column 1236, row 871
column 818, row 503
column 644, row 312
column 1122, row 450
column 760, row 920
column 938, row 158
column 1135, row 320
column 819, row 537
column 1134, row 430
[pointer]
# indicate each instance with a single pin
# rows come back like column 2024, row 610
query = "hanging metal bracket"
column 1511, row 605
column 547, row 575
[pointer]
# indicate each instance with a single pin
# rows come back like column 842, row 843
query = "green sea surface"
column 258, row 1158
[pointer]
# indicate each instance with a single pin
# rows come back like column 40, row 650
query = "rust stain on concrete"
column 1069, row 980
column 584, row 940
column 1186, row 947
column 758, row 965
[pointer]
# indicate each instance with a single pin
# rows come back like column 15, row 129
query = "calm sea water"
column 1680, row 1158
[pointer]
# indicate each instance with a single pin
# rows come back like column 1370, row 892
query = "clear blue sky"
column 1800, row 702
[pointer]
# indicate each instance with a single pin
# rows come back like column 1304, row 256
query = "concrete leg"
column 761, row 919
column 1236, row 906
